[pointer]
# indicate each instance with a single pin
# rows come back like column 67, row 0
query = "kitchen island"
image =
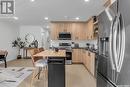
column 56, row 66
column 51, row 53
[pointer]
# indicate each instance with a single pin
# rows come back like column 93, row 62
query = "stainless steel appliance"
column 67, row 47
column 64, row 36
column 113, row 60
column 124, row 75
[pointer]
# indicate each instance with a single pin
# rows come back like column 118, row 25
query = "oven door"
column 68, row 58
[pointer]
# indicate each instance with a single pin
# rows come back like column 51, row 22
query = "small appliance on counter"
column 91, row 47
column 72, row 45
column 76, row 45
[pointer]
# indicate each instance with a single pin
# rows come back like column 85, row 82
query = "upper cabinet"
column 107, row 3
column 54, row 31
column 56, row 28
column 92, row 28
column 77, row 30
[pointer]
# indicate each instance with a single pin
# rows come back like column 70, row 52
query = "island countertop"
column 51, row 53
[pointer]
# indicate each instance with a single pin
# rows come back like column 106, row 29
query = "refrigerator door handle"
column 118, row 42
column 111, row 51
column 122, row 42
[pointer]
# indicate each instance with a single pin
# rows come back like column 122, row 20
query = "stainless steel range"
column 67, row 47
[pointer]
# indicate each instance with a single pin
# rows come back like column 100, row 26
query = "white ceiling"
column 33, row 13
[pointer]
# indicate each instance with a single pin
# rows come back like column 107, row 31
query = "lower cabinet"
column 89, row 61
column 77, row 55
column 85, row 57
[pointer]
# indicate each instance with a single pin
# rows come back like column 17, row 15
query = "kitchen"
column 79, row 42
column 87, row 50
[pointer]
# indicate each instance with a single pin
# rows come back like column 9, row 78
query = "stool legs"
column 5, row 63
column 39, row 72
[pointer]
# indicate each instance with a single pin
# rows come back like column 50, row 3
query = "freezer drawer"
column 103, row 82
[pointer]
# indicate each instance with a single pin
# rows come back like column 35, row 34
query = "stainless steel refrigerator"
column 114, row 46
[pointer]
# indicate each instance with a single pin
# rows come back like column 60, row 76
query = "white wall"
column 8, row 33
column 34, row 30
column 38, row 32
column 81, row 43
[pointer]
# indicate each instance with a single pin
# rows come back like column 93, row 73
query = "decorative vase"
column 19, row 57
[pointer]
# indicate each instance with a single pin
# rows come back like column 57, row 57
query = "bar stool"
column 38, row 62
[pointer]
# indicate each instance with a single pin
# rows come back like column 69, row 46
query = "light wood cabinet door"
column 78, row 31
column 75, row 31
column 84, row 58
column 60, row 27
column 82, row 32
column 86, row 31
column 92, row 63
column 77, row 56
column 54, row 31
column 90, row 27
column 57, row 28
column 64, row 27
column 89, row 61
column 69, row 27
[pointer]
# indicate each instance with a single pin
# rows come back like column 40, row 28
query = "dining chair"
column 3, row 55
column 39, row 63
column 41, row 49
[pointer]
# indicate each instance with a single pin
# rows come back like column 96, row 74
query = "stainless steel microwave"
column 64, row 36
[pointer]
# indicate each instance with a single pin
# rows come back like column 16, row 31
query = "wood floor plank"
column 76, row 75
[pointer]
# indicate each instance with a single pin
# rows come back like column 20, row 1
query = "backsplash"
column 82, row 44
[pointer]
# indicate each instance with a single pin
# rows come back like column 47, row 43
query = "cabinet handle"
column 91, row 37
column 87, row 37
column 65, row 30
column 76, row 38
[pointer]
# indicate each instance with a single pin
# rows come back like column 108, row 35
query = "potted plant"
column 20, row 44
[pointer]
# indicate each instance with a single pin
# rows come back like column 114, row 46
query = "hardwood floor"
column 76, row 75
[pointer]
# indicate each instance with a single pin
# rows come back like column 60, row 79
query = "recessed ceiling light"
column 32, row 0
column 46, row 18
column 16, row 18
column 77, row 18
column 86, row 0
